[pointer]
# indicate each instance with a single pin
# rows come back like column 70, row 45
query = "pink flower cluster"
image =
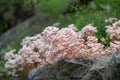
column 111, row 20
column 114, row 30
column 55, row 44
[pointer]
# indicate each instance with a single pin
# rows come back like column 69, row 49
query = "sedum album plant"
column 54, row 44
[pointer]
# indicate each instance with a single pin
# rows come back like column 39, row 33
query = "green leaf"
column 2, row 69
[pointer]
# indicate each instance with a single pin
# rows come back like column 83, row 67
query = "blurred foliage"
column 96, row 13
column 14, row 11
column 11, row 4
column 3, row 70
column 53, row 7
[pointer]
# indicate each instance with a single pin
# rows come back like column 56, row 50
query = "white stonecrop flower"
column 55, row 44
column 88, row 30
column 94, row 47
column 9, row 55
column 72, row 26
column 114, row 31
column 103, row 40
column 49, row 33
column 10, row 64
column 112, row 48
column 111, row 20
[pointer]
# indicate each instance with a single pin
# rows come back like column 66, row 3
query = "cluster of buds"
column 55, row 44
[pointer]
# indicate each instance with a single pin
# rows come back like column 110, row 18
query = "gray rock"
column 30, row 27
column 103, row 68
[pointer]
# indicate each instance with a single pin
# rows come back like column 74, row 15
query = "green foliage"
column 11, row 4
column 52, row 6
column 3, row 70
column 13, row 11
column 96, row 16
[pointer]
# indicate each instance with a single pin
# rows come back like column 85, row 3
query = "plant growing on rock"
column 54, row 44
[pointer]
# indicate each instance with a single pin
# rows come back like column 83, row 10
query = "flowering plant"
column 54, row 44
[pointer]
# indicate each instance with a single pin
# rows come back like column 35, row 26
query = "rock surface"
column 29, row 27
column 103, row 68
